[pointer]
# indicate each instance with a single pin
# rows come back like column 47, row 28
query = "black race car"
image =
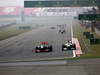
column 62, row 31
column 44, row 47
column 68, row 46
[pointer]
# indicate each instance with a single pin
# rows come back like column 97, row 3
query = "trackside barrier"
column 78, row 50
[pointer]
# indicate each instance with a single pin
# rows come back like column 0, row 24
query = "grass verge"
column 90, row 51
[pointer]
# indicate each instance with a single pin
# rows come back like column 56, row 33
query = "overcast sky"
column 5, row 3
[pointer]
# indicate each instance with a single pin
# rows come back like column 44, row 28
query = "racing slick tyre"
column 63, row 47
column 36, row 50
column 74, row 46
column 50, row 48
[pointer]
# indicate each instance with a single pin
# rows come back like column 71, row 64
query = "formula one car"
column 43, row 47
column 62, row 31
column 68, row 46
column 52, row 27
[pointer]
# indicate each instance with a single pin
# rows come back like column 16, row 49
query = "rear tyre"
column 62, row 47
column 74, row 46
column 36, row 49
column 36, row 52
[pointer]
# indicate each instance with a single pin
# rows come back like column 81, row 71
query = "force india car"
column 68, row 46
column 43, row 47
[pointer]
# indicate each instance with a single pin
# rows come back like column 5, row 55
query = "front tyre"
column 50, row 48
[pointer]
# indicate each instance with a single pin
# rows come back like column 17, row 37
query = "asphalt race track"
column 21, row 46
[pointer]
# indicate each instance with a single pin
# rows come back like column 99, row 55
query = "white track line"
column 74, row 54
